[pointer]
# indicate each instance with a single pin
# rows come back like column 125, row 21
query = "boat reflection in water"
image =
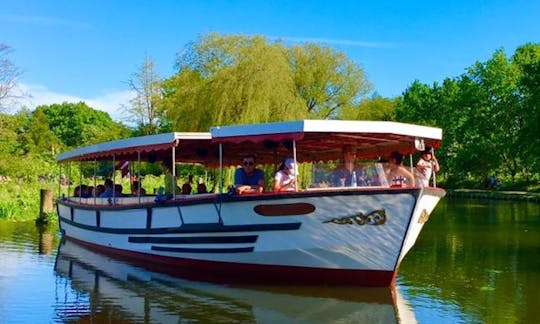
column 111, row 290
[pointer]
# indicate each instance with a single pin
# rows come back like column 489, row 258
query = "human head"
column 108, row 183
column 397, row 157
column 427, row 153
column 291, row 166
column 248, row 162
column 349, row 153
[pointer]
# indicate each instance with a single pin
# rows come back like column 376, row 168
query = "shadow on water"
column 117, row 291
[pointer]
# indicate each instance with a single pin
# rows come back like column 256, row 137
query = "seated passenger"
column 285, row 178
column 349, row 174
column 248, row 179
column 201, row 188
column 118, row 190
column 396, row 173
column 109, row 188
column 136, row 189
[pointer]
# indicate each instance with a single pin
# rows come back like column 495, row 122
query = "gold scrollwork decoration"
column 424, row 216
column 375, row 217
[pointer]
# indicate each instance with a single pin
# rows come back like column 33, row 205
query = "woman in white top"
column 285, row 179
column 425, row 167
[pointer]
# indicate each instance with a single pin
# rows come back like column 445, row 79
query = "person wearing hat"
column 427, row 164
column 285, row 178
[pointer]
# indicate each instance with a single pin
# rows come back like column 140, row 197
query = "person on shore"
column 427, row 164
column 285, row 178
column 248, row 178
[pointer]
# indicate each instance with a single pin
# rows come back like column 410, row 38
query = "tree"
column 230, row 80
column 39, row 137
column 8, row 77
column 374, row 108
column 238, row 79
column 145, row 107
column 327, row 80
column 76, row 124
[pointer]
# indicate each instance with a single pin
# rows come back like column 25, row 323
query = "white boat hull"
column 354, row 236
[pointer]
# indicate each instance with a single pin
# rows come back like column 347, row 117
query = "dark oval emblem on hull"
column 284, row 209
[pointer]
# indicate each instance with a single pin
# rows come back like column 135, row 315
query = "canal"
column 476, row 261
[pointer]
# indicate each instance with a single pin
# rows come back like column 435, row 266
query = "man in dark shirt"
column 248, row 179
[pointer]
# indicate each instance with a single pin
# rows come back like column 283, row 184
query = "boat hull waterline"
column 349, row 236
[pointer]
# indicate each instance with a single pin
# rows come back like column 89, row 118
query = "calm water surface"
column 475, row 262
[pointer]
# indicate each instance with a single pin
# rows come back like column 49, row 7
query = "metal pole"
column 220, row 168
column 95, row 181
column 114, row 177
column 139, row 174
column 295, row 165
column 80, row 182
column 173, row 172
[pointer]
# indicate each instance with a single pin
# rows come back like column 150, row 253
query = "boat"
column 319, row 234
column 95, row 287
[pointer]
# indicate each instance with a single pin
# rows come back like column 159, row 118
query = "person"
column 98, row 190
column 118, row 190
column 285, row 178
column 136, row 189
column 349, row 174
column 170, row 181
column 427, row 164
column 109, row 189
column 396, row 173
column 248, row 178
column 201, row 188
column 186, row 187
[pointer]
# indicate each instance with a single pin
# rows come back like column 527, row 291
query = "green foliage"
column 76, row 124
column 236, row 79
column 326, row 80
column 489, row 116
column 375, row 108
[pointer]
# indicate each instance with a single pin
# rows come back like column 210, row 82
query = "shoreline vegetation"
column 493, row 195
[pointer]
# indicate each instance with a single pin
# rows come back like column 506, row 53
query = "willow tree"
column 327, row 80
column 238, row 79
column 230, row 80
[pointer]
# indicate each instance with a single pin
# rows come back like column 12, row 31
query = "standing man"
column 248, row 179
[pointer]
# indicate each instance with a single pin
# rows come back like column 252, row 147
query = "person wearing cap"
column 285, row 178
column 427, row 164
column 248, row 178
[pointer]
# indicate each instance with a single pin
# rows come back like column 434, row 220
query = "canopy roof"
column 189, row 147
column 321, row 140
column 316, row 140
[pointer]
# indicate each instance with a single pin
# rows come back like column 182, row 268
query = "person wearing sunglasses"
column 248, row 178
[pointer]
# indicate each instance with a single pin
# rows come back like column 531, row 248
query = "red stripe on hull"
column 244, row 273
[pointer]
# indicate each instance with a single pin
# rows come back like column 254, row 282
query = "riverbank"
column 493, row 194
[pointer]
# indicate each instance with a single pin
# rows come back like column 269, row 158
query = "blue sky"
column 87, row 50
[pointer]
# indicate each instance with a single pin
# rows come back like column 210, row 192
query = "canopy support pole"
column 295, row 165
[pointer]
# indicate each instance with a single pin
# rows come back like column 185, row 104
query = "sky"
column 87, row 50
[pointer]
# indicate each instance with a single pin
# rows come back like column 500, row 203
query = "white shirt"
column 285, row 180
column 423, row 174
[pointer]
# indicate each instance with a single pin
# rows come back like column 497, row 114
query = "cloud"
column 110, row 102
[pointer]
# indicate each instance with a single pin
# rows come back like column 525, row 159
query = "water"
column 475, row 261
